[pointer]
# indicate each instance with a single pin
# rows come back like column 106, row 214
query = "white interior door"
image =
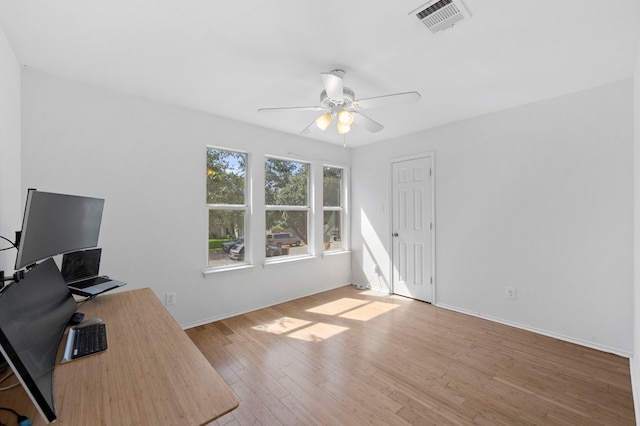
column 412, row 228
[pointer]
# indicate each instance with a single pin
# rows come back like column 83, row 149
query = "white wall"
column 147, row 159
column 10, row 208
column 635, row 362
column 537, row 197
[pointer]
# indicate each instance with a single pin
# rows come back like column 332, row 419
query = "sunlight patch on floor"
column 370, row 311
column 317, row 332
column 282, row 325
column 310, row 331
column 338, row 306
column 374, row 293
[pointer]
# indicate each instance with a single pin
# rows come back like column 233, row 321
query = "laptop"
column 80, row 272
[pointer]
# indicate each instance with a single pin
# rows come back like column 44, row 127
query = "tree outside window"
column 287, row 207
column 227, row 207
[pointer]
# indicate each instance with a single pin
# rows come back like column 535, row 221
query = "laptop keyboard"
column 90, row 282
column 89, row 340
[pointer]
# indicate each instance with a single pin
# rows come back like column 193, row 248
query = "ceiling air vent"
column 441, row 14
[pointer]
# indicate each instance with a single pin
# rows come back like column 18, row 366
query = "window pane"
column 225, row 177
column 332, row 230
column 332, row 187
column 286, row 183
column 226, row 229
column 287, row 230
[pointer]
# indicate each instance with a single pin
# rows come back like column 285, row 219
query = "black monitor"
column 57, row 223
column 33, row 315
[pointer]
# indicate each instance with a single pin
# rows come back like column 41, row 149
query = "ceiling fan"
column 339, row 102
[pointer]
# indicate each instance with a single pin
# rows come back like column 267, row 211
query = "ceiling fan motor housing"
column 345, row 102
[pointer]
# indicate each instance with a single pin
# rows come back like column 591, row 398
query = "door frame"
column 430, row 155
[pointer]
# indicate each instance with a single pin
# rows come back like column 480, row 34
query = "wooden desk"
column 151, row 374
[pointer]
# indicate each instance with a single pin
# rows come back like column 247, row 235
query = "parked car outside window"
column 283, row 238
column 229, row 244
column 237, row 251
column 271, row 251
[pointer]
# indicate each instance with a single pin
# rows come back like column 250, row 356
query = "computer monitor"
column 33, row 315
column 56, row 224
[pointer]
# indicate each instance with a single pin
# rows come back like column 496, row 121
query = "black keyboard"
column 89, row 340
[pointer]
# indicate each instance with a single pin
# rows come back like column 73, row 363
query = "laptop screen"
column 81, row 264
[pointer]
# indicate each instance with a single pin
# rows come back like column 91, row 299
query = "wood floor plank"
column 358, row 357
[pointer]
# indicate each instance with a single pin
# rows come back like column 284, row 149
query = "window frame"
column 342, row 208
column 308, row 208
column 246, row 208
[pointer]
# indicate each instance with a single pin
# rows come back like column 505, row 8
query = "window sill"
column 208, row 273
column 288, row 259
column 335, row 253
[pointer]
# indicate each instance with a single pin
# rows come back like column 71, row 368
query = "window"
column 332, row 188
column 287, row 207
column 227, row 206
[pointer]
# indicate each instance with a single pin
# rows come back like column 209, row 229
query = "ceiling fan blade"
column 385, row 100
column 321, row 122
column 307, row 129
column 362, row 120
column 333, row 84
column 302, row 108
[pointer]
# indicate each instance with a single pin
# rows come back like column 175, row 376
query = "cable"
column 22, row 420
column 13, row 245
column 9, row 374
column 6, row 376
column 6, row 388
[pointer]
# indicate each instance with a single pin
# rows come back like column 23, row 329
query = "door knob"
column 395, row 234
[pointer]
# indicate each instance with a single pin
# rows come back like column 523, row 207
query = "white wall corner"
column 633, row 364
column 10, row 147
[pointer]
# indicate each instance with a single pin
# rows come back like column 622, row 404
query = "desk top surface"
column 152, row 373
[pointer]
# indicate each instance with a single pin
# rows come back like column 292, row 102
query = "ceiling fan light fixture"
column 343, row 128
column 345, row 118
column 323, row 121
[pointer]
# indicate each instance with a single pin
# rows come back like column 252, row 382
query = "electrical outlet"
column 511, row 293
column 170, row 299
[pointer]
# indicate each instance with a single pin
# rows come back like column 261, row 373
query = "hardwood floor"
column 349, row 357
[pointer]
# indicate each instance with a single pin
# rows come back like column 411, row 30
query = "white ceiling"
column 231, row 58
